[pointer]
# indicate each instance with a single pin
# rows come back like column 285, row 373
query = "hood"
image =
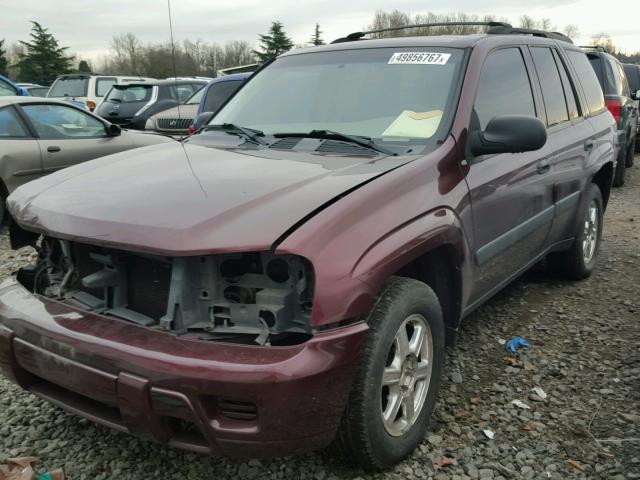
column 176, row 199
column 182, row 111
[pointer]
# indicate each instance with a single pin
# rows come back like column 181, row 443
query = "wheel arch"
column 604, row 178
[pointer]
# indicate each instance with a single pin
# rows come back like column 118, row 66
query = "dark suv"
column 620, row 103
column 130, row 105
column 289, row 276
column 632, row 72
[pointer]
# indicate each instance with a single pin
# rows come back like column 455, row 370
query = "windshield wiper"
column 248, row 133
column 359, row 140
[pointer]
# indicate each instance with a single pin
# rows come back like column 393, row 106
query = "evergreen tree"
column 316, row 39
column 44, row 60
column 3, row 58
column 84, row 67
column 274, row 43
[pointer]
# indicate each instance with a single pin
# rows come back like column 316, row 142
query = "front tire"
column 396, row 386
column 578, row 262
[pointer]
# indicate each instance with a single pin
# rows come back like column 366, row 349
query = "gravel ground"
column 583, row 353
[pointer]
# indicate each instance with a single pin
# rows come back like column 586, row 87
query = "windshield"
column 383, row 93
column 195, row 98
column 129, row 94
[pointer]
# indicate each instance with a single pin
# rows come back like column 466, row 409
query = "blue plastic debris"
column 517, row 342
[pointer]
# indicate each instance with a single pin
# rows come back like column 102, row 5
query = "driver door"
column 68, row 136
column 511, row 194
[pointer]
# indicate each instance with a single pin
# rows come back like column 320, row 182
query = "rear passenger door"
column 569, row 134
column 511, row 195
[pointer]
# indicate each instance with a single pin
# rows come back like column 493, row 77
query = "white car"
column 88, row 89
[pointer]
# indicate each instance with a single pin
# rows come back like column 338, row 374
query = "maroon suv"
column 289, row 276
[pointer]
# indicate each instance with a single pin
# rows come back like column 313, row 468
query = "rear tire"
column 396, row 386
column 618, row 176
column 578, row 262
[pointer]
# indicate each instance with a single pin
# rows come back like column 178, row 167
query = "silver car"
column 39, row 136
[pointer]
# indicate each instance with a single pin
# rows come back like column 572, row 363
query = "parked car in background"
column 8, row 88
column 131, row 105
column 34, row 90
column 633, row 77
column 179, row 120
column 39, row 136
column 621, row 105
column 88, row 88
column 289, row 277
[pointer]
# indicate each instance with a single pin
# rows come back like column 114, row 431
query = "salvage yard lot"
column 583, row 353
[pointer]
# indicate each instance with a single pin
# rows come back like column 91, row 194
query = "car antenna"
column 175, row 80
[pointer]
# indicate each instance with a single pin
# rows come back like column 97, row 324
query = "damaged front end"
column 251, row 298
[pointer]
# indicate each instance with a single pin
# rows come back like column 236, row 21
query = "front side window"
column 103, row 84
column 504, row 87
column 10, row 126
column 6, row 90
column 389, row 94
column 60, row 122
column 69, row 87
column 552, row 91
column 219, row 93
column 587, row 77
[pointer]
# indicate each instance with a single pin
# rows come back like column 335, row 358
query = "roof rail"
column 600, row 48
column 509, row 30
column 358, row 35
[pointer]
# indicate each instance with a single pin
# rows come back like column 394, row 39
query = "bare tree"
column 127, row 53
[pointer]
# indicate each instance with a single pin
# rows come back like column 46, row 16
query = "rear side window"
column 504, row 87
column 103, row 84
column 588, row 80
column 219, row 93
column 129, row 94
column 569, row 92
column 10, row 126
column 552, row 91
column 69, row 87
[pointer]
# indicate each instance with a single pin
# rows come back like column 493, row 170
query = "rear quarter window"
column 103, row 84
column 588, row 80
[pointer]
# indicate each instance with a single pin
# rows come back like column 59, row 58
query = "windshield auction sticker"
column 419, row 58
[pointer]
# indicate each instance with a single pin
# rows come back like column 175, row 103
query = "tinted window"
column 504, row 87
column 129, row 94
column 69, row 87
column 613, row 74
column 6, row 89
column 58, row 121
column 633, row 76
column 552, row 91
column 569, row 92
column 103, row 84
column 219, row 93
column 9, row 124
column 588, row 79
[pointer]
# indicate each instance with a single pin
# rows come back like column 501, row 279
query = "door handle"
column 53, row 148
column 543, row 166
column 588, row 145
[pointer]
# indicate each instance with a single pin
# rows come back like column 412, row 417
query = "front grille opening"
column 238, row 410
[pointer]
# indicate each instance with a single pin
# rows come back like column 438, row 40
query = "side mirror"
column 637, row 95
column 509, row 134
column 113, row 130
column 201, row 120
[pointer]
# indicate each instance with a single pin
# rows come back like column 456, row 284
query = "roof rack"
column 358, row 35
column 497, row 28
column 600, row 48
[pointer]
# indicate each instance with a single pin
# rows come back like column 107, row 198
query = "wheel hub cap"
column 590, row 233
column 407, row 374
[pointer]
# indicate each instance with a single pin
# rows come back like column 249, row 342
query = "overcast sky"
column 86, row 26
